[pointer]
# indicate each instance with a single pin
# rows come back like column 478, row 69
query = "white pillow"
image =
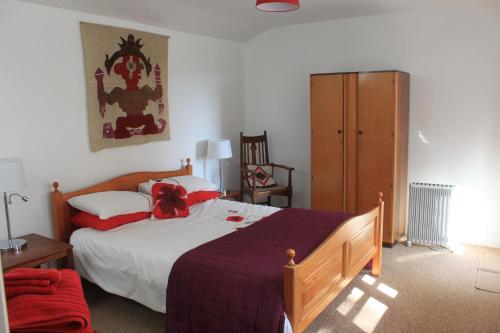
column 112, row 203
column 190, row 183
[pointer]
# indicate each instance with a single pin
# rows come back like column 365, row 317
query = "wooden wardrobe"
column 359, row 144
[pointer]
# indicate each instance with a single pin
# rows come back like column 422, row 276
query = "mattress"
column 135, row 260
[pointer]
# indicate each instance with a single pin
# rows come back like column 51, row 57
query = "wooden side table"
column 231, row 195
column 39, row 250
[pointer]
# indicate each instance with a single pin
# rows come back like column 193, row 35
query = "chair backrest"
column 253, row 149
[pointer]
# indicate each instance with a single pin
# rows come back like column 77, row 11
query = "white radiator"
column 428, row 214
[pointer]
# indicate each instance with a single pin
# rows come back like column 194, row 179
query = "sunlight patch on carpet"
column 382, row 287
column 368, row 279
column 350, row 301
column 370, row 314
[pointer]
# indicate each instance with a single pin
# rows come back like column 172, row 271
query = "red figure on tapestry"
column 129, row 62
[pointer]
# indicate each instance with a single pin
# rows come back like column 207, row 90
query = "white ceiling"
column 238, row 19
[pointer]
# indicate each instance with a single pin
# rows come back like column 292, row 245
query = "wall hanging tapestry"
column 126, row 73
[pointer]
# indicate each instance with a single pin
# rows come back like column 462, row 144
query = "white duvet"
column 135, row 260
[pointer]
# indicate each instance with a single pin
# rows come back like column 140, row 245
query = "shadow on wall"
column 201, row 154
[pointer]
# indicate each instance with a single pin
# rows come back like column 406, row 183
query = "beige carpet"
column 420, row 291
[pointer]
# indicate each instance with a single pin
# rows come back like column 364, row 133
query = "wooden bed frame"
column 308, row 286
column 62, row 212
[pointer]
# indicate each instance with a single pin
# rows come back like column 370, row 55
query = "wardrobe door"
column 327, row 137
column 351, row 142
column 376, row 146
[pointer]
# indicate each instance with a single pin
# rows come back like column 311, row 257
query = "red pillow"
column 170, row 200
column 201, row 196
column 86, row 220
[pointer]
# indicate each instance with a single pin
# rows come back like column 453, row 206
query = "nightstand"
column 231, row 195
column 39, row 250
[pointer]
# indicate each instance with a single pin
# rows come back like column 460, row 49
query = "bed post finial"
column 291, row 254
column 377, row 259
column 188, row 166
column 56, row 186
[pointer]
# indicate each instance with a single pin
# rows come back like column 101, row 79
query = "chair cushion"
column 263, row 176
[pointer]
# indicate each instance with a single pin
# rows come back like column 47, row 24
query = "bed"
column 135, row 260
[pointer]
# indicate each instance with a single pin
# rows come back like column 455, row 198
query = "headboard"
column 63, row 212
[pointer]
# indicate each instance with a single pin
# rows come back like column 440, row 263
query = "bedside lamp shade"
column 219, row 149
column 12, row 176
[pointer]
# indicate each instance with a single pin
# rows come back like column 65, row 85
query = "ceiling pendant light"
column 277, row 5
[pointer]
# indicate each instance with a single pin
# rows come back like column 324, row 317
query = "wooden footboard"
column 311, row 285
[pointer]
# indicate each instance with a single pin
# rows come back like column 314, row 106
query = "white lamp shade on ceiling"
column 219, row 149
column 277, row 5
column 12, row 177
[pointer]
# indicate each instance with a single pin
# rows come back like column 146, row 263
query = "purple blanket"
column 235, row 283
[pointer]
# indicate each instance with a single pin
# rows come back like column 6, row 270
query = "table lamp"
column 218, row 150
column 12, row 178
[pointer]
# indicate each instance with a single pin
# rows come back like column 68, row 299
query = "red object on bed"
column 235, row 283
column 86, row 220
column 235, row 218
column 64, row 311
column 170, row 201
column 201, row 196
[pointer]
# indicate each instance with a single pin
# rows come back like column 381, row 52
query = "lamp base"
column 14, row 245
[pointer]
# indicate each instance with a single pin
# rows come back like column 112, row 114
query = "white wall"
column 454, row 60
column 44, row 113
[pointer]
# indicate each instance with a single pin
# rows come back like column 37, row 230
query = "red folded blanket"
column 37, row 283
column 26, row 281
column 52, row 275
column 14, row 291
column 64, row 311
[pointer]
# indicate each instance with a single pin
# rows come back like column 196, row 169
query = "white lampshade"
column 12, row 176
column 219, row 149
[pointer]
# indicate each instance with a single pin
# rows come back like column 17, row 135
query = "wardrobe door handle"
column 339, row 131
column 360, row 132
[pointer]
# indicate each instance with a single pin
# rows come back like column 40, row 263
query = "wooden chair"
column 253, row 150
